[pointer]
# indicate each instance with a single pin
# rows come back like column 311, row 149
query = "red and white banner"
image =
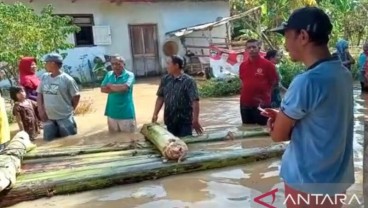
column 233, row 56
column 225, row 62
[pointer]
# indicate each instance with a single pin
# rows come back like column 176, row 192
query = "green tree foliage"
column 23, row 32
column 349, row 18
column 274, row 12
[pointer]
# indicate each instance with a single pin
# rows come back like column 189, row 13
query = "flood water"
column 218, row 188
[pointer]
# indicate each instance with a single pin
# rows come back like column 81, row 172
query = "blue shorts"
column 53, row 129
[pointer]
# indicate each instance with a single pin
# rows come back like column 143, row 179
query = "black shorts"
column 180, row 130
column 251, row 115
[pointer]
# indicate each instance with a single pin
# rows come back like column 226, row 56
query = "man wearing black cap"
column 316, row 115
column 58, row 97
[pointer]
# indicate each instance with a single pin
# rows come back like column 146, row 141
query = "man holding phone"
column 316, row 114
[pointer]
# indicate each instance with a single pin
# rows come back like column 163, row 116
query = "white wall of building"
column 167, row 15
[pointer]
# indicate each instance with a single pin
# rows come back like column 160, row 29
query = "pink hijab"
column 28, row 78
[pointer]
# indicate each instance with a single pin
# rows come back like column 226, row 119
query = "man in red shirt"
column 258, row 77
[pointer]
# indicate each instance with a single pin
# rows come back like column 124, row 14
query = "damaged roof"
column 208, row 26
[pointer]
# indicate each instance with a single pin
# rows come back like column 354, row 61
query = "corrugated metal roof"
column 205, row 26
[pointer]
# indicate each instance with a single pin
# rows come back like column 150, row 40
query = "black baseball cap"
column 311, row 19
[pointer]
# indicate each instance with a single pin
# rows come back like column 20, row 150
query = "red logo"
column 272, row 193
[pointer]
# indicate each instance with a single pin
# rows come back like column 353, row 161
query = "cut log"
column 222, row 136
column 46, row 152
column 59, row 163
column 104, row 165
column 79, row 150
column 10, row 159
column 93, row 156
column 72, row 180
column 170, row 146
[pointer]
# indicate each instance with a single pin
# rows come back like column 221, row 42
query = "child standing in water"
column 25, row 112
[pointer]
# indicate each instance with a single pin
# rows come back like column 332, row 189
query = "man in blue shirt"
column 316, row 115
column 118, row 84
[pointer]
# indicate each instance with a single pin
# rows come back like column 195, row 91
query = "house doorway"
column 144, row 47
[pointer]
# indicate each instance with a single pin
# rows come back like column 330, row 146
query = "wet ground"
column 235, row 186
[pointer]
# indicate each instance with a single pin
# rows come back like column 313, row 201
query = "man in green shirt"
column 118, row 84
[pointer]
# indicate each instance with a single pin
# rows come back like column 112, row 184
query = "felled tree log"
column 79, row 150
column 170, row 146
column 44, row 152
column 86, row 161
column 71, row 180
column 39, row 164
column 92, row 156
column 10, row 159
column 222, row 136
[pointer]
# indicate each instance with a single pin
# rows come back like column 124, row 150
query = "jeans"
column 53, row 129
column 180, row 130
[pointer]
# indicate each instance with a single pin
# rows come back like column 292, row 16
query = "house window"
column 85, row 36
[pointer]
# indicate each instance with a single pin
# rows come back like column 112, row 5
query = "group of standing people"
column 53, row 98
column 315, row 116
column 50, row 100
column 177, row 91
column 342, row 51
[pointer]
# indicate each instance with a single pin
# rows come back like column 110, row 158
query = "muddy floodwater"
column 220, row 188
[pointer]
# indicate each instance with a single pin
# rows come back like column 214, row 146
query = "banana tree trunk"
column 67, row 180
column 47, row 152
column 170, row 146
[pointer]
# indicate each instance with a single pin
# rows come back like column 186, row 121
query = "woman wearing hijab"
column 342, row 48
column 28, row 77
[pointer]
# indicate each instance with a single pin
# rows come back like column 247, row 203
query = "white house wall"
column 167, row 15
